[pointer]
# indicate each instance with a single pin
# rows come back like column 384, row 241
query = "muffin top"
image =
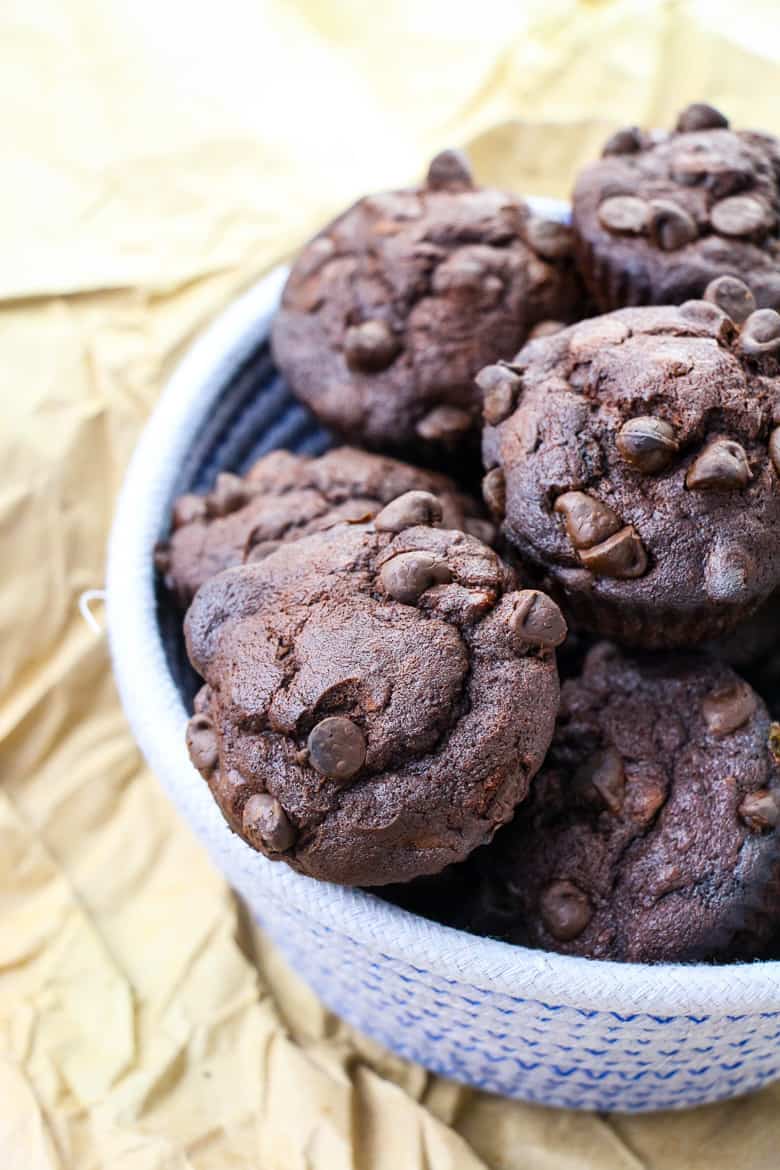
column 286, row 496
column 378, row 696
column 635, row 459
column 390, row 311
column 661, row 215
column 651, row 831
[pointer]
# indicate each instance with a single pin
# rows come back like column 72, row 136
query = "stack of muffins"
column 381, row 652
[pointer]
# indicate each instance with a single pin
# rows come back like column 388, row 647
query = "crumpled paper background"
column 157, row 157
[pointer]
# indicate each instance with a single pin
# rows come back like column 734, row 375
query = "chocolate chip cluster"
column 380, row 655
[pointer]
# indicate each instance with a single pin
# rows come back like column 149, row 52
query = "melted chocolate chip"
column 444, row 422
column 722, row 466
column 230, row 493
column 337, row 748
column 449, row 168
column 409, row 510
column 760, row 810
column 731, row 295
column 202, row 743
column 408, row 575
column 604, row 772
column 727, row 711
column 761, row 332
column 588, row 520
column 500, row 388
column 494, row 492
column 565, row 910
column 670, row 226
column 624, row 215
column 370, row 346
column 774, row 449
column 266, row 825
column 627, row 141
column 548, row 238
column 741, row 215
column 648, row 443
column 186, row 510
column 536, row 619
column 700, row 116
column 622, row 556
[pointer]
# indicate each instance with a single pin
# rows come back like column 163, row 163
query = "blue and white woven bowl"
column 545, row 1028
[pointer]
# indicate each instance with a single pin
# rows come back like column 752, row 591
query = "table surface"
column 156, row 160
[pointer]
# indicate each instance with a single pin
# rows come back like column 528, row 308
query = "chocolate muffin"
column 390, row 311
column 659, row 216
column 635, row 460
column 286, row 496
column 651, row 831
column 378, row 696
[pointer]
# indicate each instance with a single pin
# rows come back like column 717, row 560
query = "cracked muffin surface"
column 285, row 496
column 650, row 834
column 390, row 311
column 377, row 696
column 660, row 215
column 635, row 460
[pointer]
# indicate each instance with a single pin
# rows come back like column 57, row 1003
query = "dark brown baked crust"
column 390, row 311
column 650, row 834
column 635, row 460
column 286, row 496
column 378, row 697
column 661, row 215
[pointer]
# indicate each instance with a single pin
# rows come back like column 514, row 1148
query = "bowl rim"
column 157, row 717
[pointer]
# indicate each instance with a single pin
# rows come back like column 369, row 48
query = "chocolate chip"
column 722, row 466
column 187, row 509
column 741, row 215
column 500, row 387
column 443, row 423
column 700, row 116
column 605, row 774
column 370, row 346
column 408, row 575
column 647, row 443
column 548, row 238
column 627, row 141
column 761, row 332
column 202, row 743
column 671, row 227
column 230, row 493
column 728, row 573
column 705, row 313
column 337, row 748
column 536, row 619
column 565, row 910
column 774, row 449
column 545, row 329
column 450, row 168
column 266, row 825
column 726, row 711
column 624, row 214
column 409, row 510
column 773, row 742
column 588, row 520
column 731, row 295
column 623, row 556
column 760, row 810
column 494, row 492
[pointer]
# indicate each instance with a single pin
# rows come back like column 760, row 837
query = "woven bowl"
column 545, row 1028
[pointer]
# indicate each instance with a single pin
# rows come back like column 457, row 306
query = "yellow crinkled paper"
column 157, row 157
